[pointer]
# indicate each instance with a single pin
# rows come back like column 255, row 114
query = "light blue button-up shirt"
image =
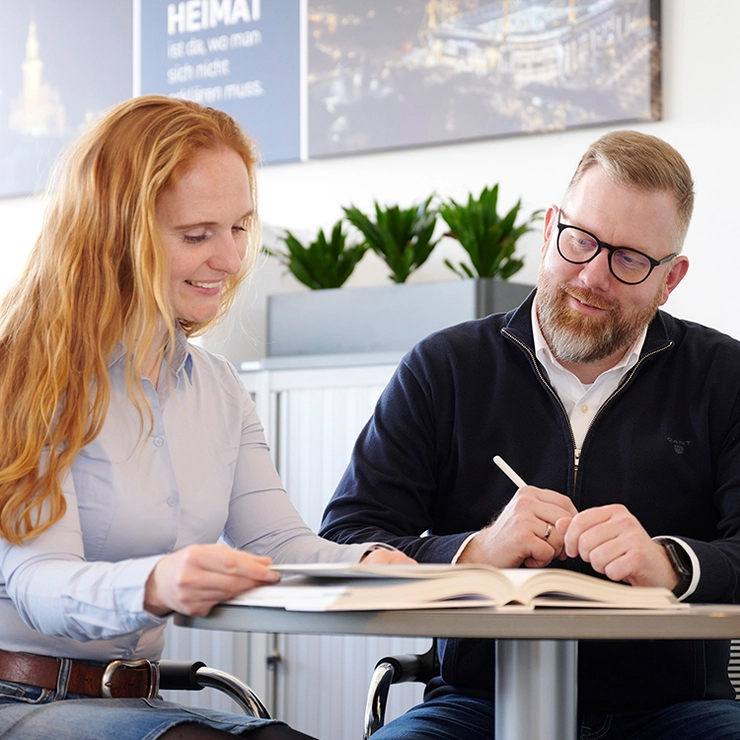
column 203, row 471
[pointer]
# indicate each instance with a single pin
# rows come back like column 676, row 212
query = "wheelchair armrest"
column 412, row 667
column 180, row 675
column 396, row 669
column 196, row 675
column 377, row 696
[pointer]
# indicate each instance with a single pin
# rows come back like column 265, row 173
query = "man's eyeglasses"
column 627, row 265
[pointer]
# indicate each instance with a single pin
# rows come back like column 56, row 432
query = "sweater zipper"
column 546, row 383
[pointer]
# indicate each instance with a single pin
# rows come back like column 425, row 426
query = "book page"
column 351, row 587
column 378, row 570
column 548, row 586
column 306, row 593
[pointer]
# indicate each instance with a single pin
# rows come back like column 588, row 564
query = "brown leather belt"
column 118, row 679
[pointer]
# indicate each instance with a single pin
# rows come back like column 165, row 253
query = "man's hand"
column 524, row 532
column 617, row 545
column 193, row 580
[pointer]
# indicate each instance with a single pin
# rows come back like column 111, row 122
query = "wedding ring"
column 548, row 531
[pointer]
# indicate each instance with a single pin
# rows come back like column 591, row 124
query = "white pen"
column 510, row 474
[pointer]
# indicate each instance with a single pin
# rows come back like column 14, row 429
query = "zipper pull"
column 576, row 460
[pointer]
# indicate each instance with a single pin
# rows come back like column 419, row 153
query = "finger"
column 552, row 513
column 200, row 598
column 196, row 577
column 527, row 508
column 543, row 528
column 643, row 564
column 198, row 593
column 542, row 503
column 210, row 584
column 548, row 496
column 540, row 562
column 576, row 541
column 561, row 525
column 388, row 557
column 627, row 544
column 538, row 559
column 621, row 567
column 554, row 539
column 604, row 524
column 216, row 573
column 542, row 551
column 221, row 559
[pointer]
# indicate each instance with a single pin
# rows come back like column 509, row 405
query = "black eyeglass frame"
column 611, row 250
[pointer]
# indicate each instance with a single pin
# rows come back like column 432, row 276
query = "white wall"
column 701, row 118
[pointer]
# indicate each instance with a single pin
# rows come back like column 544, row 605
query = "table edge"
column 702, row 621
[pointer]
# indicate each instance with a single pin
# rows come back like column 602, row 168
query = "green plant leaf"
column 401, row 237
column 489, row 240
column 323, row 263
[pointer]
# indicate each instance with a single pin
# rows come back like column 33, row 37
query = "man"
column 624, row 421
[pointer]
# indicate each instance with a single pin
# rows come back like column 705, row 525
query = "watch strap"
column 681, row 563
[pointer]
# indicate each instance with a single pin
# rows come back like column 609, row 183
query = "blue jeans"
column 30, row 713
column 457, row 717
column 717, row 719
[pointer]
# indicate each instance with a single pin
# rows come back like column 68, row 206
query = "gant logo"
column 679, row 445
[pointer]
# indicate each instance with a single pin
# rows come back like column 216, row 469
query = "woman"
column 127, row 451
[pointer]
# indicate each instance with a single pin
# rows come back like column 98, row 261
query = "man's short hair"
column 646, row 163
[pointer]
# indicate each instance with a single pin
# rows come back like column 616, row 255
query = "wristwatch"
column 681, row 564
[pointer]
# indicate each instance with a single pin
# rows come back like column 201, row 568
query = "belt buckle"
column 114, row 665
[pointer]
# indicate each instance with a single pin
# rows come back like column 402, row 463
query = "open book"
column 337, row 587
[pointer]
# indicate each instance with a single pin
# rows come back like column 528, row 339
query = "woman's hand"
column 193, row 580
column 395, row 557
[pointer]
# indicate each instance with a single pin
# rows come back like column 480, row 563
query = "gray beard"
column 573, row 337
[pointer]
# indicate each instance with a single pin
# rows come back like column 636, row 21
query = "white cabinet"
column 312, row 408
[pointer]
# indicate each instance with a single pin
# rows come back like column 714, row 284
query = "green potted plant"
column 323, row 263
column 489, row 239
column 402, row 237
column 391, row 318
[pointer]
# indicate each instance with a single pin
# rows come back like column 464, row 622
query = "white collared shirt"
column 582, row 403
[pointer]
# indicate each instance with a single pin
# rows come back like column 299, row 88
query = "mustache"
column 584, row 295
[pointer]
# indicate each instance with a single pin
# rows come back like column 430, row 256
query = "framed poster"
column 398, row 74
column 63, row 63
column 242, row 56
column 313, row 79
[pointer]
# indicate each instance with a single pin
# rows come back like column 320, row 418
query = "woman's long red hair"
column 97, row 276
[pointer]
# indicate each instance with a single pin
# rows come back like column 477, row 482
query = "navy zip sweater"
column 666, row 444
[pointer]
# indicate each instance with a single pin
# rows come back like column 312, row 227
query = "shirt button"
column 171, row 501
column 584, row 408
column 158, row 441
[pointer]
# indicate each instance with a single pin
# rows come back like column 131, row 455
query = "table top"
column 703, row 621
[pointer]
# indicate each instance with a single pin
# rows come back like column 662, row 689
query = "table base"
column 536, row 689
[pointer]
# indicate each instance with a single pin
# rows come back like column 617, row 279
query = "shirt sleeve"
column 57, row 592
column 262, row 519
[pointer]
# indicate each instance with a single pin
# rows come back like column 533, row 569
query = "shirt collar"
column 181, row 358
